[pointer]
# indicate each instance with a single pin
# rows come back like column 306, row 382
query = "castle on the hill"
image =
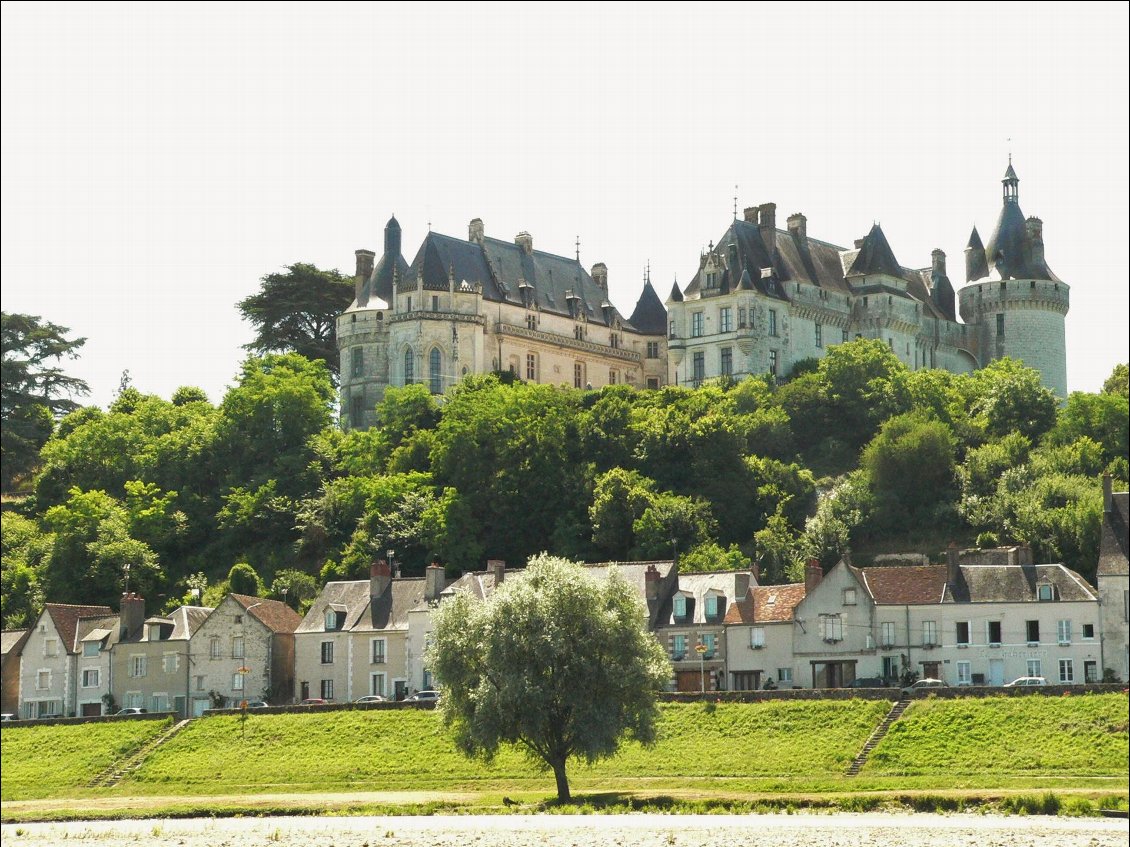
column 762, row 299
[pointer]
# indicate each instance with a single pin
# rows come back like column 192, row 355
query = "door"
column 688, row 681
column 996, row 671
column 399, row 689
column 931, row 670
column 305, row 691
column 91, row 710
column 198, row 706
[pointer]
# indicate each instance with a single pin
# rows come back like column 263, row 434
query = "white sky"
column 159, row 159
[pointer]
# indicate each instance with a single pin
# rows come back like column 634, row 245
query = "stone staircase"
column 123, row 767
column 880, row 731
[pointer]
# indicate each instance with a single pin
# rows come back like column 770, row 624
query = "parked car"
column 425, row 696
column 132, row 710
column 923, row 685
column 258, row 704
column 1026, row 681
column 313, row 701
column 867, row 682
column 371, row 698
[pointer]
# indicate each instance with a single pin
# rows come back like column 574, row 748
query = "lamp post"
column 700, row 648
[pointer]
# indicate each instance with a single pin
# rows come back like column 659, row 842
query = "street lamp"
column 700, row 648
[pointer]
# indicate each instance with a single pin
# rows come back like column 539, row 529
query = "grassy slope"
column 1008, row 736
column 39, row 760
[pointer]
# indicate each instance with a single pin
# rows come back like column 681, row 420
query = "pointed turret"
column 676, row 295
column 976, row 267
column 649, row 316
column 1015, row 250
column 875, row 256
column 379, row 282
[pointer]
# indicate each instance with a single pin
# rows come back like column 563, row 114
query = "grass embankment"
column 38, row 761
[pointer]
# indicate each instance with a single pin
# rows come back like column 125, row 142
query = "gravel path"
column 838, row 830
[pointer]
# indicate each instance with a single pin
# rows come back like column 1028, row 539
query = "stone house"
column 96, row 637
column 479, row 584
column 48, row 664
column 690, row 625
column 11, row 648
column 759, row 637
column 244, row 650
column 1114, row 581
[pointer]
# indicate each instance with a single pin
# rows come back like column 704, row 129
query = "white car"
column 1026, row 680
column 425, row 696
column 923, row 685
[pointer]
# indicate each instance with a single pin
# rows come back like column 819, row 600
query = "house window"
column 833, row 627
column 962, row 633
column 169, row 663
column 1063, row 632
column 1032, row 630
column 51, row 647
column 358, row 361
column 134, row 700
column 1044, row 591
column 409, row 367
column 90, row 678
column 90, row 649
column 378, row 653
column 578, row 374
column 137, row 665
column 773, row 362
column 890, row 667
column 331, row 620
column 1090, row 671
column 42, row 680
column 726, row 366
column 708, row 641
column 785, row 675
column 994, row 633
column 679, row 606
column 237, row 681
column 327, row 689
column 757, row 637
column 698, row 368
column 678, row 647
column 200, row 682
column 653, row 349
column 964, row 673
column 1088, row 632
column 237, row 647
column 612, row 377
column 214, row 648
column 819, row 335
column 726, row 319
column 849, row 596
column 773, row 322
column 1066, row 670
column 327, row 652
column 887, row 634
column 377, row 684
column 160, row 702
column 696, row 324
column 1035, row 667
column 929, row 633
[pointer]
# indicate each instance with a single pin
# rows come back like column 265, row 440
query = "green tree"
column 296, row 311
column 554, row 662
column 709, row 556
column 1008, row 397
column 244, row 579
column 34, row 390
column 620, row 497
column 911, row 465
column 1119, row 381
column 25, row 551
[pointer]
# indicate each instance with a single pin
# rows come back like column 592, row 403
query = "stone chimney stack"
column 600, row 275
column 953, row 565
column 497, row 569
column 756, row 571
column 1108, row 493
column 938, row 262
column 475, row 231
column 525, row 241
column 1026, row 555
column 813, row 574
column 1035, row 228
column 798, row 226
column 434, row 581
column 741, row 584
column 651, row 582
column 364, row 270
column 131, row 615
column 767, row 224
column 750, row 214
column 380, row 577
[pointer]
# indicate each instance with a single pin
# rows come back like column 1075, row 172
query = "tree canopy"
column 296, row 311
column 555, row 662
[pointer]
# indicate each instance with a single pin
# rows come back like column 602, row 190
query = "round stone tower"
column 1014, row 304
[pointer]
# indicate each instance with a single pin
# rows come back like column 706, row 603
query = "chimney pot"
column 651, row 582
column 953, row 566
column 750, row 214
column 525, row 241
column 600, row 275
column 497, row 569
column 433, row 581
column 813, row 574
column 1108, row 492
column 798, row 226
column 380, row 576
column 475, row 231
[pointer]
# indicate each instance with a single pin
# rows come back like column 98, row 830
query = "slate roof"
column 649, row 316
column 1009, row 252
column 104, row 628
column 273, row 614
column 676, row 295
column 391, row 262
column 1114, row 544
column 389, row 611
column 927, row 584
column 697, row 586
column 65, row 617
column 875, row 256
column 766, row 604
column 12, row 639
column 977, row 267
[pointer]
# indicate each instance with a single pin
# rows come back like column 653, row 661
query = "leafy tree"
column 709, row 556
column 189, row 394
column 296, row 311
column 1009, row 397
column 672, row 521
column 34, row 390
column 1119, row 381
column 554, row 662
column 620, row 497
column 297, row 588
column 1103, row 418
column 911, row 465
column 25, row 551
column 243, row 579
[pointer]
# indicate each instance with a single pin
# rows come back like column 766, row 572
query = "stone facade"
column 48, row 664
column 1114, row 581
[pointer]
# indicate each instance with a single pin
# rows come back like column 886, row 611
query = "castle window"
column 578, row 374
column 696, row 325
column 358, row 367
column 356, row 409
column 612, row 377
column 1000, row 324
column 614, row 341
column 698, row 372
column 531, row 321
column 711, row 279
column 773, row 362
column 409, row 367
column 531, row 366
column 652, row 382
column 844, row 333
column 726, row 319
column 819, row 335
column 726, row 366
column 773, row 322
column 653, row 349
column 671, row 330
column 435, row 302
column 435, row 382
column 409, row 302
column 741, row 317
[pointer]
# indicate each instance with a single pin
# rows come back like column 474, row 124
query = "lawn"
column 42, row 760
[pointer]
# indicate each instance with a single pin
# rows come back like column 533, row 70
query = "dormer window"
column 90, row 648
column 1045, row 591
column 715, row 606
column 681, row 607
column 335, row 619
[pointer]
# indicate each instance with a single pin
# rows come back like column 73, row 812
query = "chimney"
column 380, row 576
column 433, row 581
column 600, row 275
column 938, row 262
column 364, row 270
column 1026, row 555
column 798, row 226
column 651, row 582
column 131, row 616
column 1108, row 493
column 497, row 569
column 953, row 567
column 756, row 571
column 525, row 241
column 767, row 224
column 1013, row 556
column 750, row 214
column 813, row 574
column 732, row 260
column 859, row 243
column 1035, row 228
column 475, row 231
column 741, row 584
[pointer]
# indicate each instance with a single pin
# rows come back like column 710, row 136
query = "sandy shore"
column 838, row 830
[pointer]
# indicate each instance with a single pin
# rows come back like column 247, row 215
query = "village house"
column 96, row 637
column 759, row 637
column 11, row 648
column 48, row 665
column 1114, row 581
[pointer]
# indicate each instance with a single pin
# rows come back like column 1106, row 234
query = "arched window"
column 434, row 383
column 409, row 367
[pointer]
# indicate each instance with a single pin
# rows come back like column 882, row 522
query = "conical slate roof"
column 1010, row 251
column 649, row 316
column 875, row 256
column 676, row 294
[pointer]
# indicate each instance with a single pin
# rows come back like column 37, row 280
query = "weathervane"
column 578, row 249
column 735, row 201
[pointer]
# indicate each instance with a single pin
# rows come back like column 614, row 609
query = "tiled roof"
column 102, row 628
column 767, row 604
column 1017, row 583
column 389, row 611
column 900, row 585
column 65, row 617
column 1114, row 544
column 273, row 614
column 12, row 639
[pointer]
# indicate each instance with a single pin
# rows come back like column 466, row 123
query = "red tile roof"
column 904, row 584
column 65, row 617
column 766, row 604
column 273, row 614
